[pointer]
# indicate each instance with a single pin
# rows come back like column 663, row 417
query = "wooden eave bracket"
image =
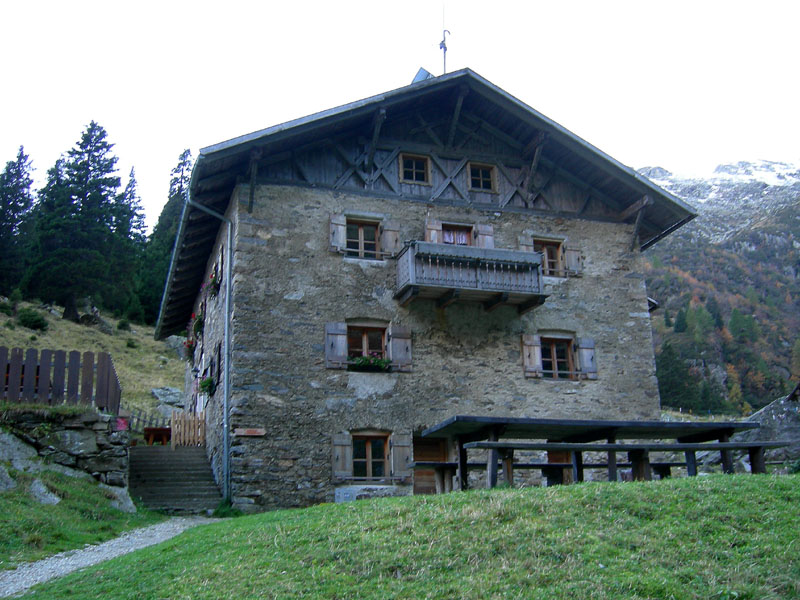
column 462, row 93
column 405, row 297
column 377, row 123
column 448, row 298
column 639, row 206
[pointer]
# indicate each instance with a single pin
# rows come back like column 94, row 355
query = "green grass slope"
column 30, row 531
column 141, row 362
column 719, row 537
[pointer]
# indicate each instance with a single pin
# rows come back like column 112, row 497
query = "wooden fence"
column 59, row 377
column 188, row 429
column 140, row 419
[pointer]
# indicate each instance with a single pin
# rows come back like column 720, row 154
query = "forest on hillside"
column 80, row 240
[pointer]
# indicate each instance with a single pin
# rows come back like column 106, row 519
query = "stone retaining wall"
column 87, row 442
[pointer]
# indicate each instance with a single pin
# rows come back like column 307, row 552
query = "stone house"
column 365, row 272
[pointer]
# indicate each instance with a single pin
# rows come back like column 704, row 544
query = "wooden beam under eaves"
column 635, row 207
column 377, row 122
column 639, row 215
column 462, row 93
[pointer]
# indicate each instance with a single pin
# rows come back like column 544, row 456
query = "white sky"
column 684, row 85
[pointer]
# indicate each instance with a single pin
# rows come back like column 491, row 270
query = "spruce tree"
column 16, row 200
column 75, row 225
column 680, row 321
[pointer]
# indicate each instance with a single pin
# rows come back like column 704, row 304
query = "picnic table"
column 157, row 435
column 566, row 440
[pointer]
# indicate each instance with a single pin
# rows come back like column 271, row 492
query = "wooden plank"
column 14, row 375
column 29, row 375
column 508, row 467
column 635, row 208
column 491, row 462
column 448, row 298
column 101, row 397
column 577, row 466
column 59, row 371
column 73, row 373
column 725, row 455
column 622, row 447
column 87, row 378
column 45, row 363
column 495, row 301
column 3, row 372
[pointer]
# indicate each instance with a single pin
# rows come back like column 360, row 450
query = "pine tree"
column 158, row 252
column 16, row 200
column 680, row 321
column 712, row 306
column 676, row 386
column 667, row 320
column 75, row 225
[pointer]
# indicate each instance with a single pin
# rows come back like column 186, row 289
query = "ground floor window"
column 557, row 358
column 370, row 456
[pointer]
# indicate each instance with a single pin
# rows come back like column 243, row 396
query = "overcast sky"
column 684, row 85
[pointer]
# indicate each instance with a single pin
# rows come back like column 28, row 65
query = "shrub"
column 795, row 467
column 131, row 343
column 6, row 308
column 124, row 325
column 28, row 317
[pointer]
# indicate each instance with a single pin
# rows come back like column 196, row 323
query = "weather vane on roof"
column 443, row 46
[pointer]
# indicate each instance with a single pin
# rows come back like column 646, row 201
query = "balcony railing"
column 448, row 273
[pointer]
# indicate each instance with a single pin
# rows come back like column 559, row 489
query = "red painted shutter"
column 336, row 345
column 532, row 355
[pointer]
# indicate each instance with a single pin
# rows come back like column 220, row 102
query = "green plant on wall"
column 208, row 386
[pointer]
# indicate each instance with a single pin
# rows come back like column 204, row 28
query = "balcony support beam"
column 448, row 298
column 530, row 304
column 495, row 301
column 407, row 296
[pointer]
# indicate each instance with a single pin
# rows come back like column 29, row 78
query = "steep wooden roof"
column 221, row 166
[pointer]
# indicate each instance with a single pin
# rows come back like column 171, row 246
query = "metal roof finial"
column 443, row 46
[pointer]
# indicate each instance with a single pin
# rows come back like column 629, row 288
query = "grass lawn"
column 30, row 531
column 718, row 537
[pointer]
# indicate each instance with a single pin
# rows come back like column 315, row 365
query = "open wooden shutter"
column 586, row 361
column 336, row 345
column 400, row 445
column 526, row 243
column 433, row 231
column 532, row 355
column 338, row 239
column 390, row 238
column 342, row 456
column 400, row 347
column 573, row 261
column 484, row 236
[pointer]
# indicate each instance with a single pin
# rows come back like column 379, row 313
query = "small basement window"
column 363, row 239
column 415, row 169
column 482, row 178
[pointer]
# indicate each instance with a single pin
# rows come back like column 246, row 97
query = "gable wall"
column 288, row 285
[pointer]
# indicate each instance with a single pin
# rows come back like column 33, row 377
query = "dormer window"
column 482, row 178
column 415, row 169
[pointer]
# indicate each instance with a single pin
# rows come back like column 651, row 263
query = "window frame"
column 455, row 228
column 426, row 169
column 492, row 177
column 369, row 438
column 549, row 345
column 541, row 245
column 365, row 331
column 360, row 252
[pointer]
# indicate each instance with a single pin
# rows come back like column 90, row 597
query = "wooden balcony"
column 447, row 273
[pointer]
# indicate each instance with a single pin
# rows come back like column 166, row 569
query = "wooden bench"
column 157, row 435
column 638, row 455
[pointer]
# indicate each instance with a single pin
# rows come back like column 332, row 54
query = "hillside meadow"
column 720, row 537
column 141, row 362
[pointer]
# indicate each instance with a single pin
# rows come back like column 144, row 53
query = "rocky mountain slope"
column 729, row 285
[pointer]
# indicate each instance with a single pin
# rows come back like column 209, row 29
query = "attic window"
column 415, row 169
column 482, row 178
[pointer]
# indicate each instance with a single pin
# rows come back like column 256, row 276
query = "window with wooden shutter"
column 342, row 456
column 532, row 355
column 433, row 231
column 390, row 238
column 400, row 347
column 586, row 359
column 484, row 235
column 336, row 345
column 573, row 259
column 552, row 256
column 338, row 233
column 401, row 452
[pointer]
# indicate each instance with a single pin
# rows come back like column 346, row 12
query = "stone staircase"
column 175, row 481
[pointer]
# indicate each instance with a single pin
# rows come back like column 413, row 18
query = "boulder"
column 41, row 494
column 15, row 451
column 168, row 395
column 119, row 498
column 6, row 481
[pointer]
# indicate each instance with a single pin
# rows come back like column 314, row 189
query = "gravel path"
column 29, row 574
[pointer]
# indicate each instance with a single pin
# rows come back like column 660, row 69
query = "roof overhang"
column 220, row 167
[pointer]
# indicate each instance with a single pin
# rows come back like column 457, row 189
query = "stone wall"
column 288, row 285
column 87, row 442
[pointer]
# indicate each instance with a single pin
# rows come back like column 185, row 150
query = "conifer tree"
column 680, row 321
column 158, row 252
column 16, row 200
